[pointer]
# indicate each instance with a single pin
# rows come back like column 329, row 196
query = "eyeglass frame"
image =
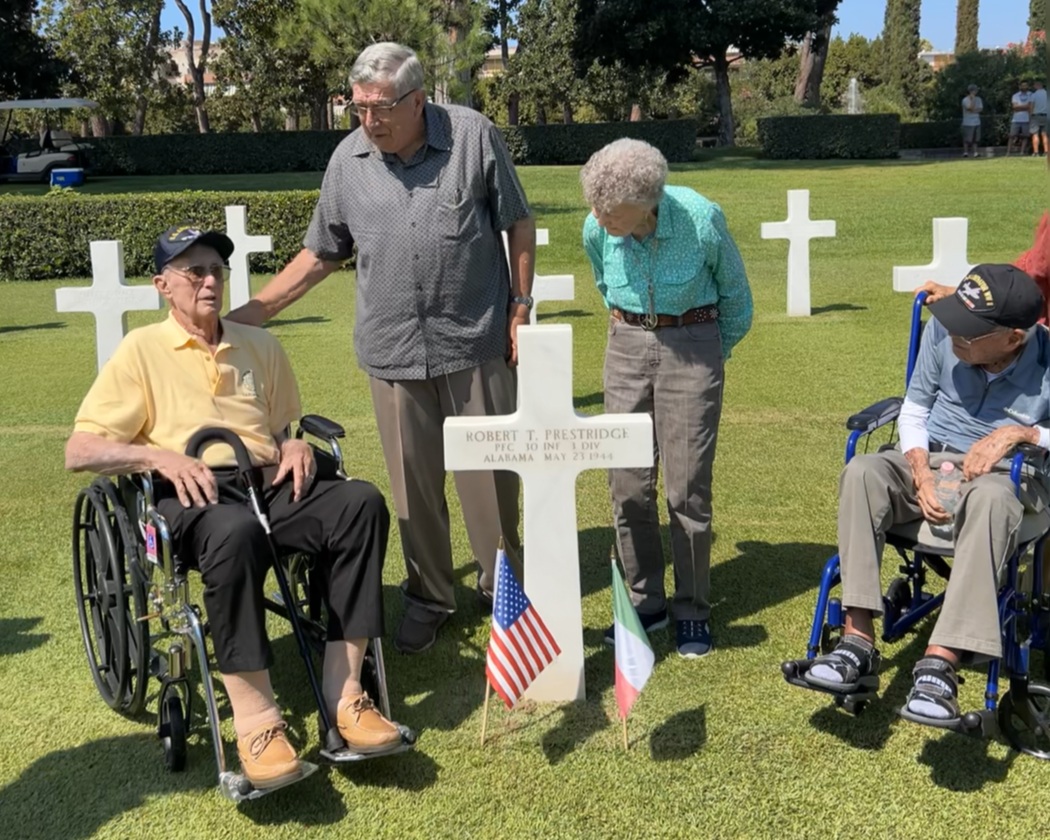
column 969, row 342
column 381, row 110
column 193, row 272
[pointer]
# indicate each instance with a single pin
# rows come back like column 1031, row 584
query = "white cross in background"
column 798, row 229
column 108, row 297
column 549, row 287
column 243, row 245
column 950, row 262
column 548, row 444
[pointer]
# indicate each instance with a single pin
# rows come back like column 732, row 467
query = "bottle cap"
column 947, row 467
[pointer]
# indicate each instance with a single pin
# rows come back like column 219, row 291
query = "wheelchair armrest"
column 877, row 415
column 321, row 427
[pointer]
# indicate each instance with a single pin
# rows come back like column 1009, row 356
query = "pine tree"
column 1036, row 15
column 966, row 26
column 901, row 38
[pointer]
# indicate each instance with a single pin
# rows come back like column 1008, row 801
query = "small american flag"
column 520, row 646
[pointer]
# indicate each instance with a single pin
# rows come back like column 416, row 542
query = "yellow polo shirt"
column 161, row 386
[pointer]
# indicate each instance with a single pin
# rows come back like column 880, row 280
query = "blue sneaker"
column 693, row 638
column 650, row 622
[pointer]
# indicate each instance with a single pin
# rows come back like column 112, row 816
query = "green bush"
column 572, row 144
column 854, row 136
column 48, row 236
column 944, row 134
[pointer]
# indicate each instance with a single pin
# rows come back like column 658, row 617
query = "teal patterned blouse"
column 691, row 260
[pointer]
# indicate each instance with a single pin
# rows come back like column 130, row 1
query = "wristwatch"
column 524, row 300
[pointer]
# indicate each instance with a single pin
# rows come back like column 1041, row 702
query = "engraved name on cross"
column 548, row 444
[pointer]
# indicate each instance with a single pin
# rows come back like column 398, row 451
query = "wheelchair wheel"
column 1025, row 723
column 172, row 731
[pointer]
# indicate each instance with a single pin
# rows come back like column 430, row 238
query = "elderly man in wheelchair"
column 195, row 371
column 980, row 390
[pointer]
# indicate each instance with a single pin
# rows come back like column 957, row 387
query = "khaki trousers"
column 876, row 493
column 410, row 415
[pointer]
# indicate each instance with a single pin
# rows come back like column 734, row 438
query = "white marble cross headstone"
column 548, row 444
column 950, row 262
column 243, row 245
column 798, row 229
column 108, row 297
column 550, row 286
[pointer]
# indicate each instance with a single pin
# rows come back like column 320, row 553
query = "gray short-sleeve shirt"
column 433, row 286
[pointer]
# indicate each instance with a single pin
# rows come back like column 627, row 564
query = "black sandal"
column 854, row 660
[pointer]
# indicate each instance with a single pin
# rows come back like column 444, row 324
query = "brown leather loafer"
column 363, row 728
column 267, row 758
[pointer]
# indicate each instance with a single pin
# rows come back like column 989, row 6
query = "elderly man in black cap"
column 194, row 370
column 980, row 388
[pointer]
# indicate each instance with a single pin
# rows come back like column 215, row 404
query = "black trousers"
column 343, row 524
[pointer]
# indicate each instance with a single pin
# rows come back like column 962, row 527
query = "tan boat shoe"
column 268, row 760
column 363, row 728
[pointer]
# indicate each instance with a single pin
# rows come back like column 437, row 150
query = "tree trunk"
column 541, row 114
column 813, row 57
column 291, row 120
column 726, row 124
column 256, row 121
column 139, row 123
column 513, row 106
column 566, row 112
column 637, row 115
column 197, row 67
column 99, row 126
column 514, row 99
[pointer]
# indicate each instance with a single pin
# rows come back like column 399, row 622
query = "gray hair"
column 624, row 172
column 388, row 62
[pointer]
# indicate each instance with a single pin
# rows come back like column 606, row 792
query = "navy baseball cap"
column 177, row 239
column 990, row 296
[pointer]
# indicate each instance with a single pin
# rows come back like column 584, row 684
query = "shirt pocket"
column 458, row 218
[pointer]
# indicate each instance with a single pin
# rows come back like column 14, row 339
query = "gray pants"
column 876, row 493
column 675, row 375
column 410, row 415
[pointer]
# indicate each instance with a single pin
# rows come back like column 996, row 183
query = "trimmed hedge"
column 944, row 134
column 309, row 151
column 535, row 145
column 43, row 237
column 853, row 136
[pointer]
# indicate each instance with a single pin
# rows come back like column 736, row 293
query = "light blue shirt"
column 690, row 261
column 964, row 405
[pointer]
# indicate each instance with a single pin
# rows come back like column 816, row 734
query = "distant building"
column 493, row 62
column 937, row 59
column 178, row 72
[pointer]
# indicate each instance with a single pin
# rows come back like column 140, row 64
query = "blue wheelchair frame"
column 1024, row 618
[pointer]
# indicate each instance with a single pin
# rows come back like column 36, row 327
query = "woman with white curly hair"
column 678, row 301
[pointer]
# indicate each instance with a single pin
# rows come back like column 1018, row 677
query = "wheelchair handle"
column 212, row 434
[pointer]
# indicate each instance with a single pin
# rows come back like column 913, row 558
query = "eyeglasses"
column 197, row 274
column 380, row 110
column 967, row 342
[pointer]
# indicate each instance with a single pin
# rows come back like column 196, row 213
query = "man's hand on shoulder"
column 252, row 313
column 992, row 448
column 297, row 459
column 194, row 482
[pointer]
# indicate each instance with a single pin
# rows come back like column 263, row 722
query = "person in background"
column 972, row 106
column 1038, row 123
column 679, row 301
column 1021, row 107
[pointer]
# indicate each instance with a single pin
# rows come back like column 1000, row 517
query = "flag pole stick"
column 485, row 711
column 625, row 746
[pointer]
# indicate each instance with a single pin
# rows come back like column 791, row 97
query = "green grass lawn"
column 720, row 747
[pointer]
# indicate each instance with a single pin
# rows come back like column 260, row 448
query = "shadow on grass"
column 579, row 721
column 589, row 400
column 961, row 763
column 50, row 325
column 306, row 319
column 564, row 313
column 680, row 736
column 15, row 638
column 837, row 307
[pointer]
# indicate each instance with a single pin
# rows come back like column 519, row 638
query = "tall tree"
column 543, row 70
column 901, row 42
column 966, row 26
column 500, row 23
column 675, row 34
column 1036, row 15
column 197, row 63
column 814, row 54
column 28, row 66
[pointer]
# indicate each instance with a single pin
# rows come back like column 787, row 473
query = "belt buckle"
column 649, row 321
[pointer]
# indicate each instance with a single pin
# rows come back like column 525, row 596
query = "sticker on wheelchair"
column 151, row 543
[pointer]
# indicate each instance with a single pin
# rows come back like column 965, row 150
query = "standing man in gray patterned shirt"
column 424, row 192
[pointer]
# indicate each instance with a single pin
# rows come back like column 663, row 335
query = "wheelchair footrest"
column 347, row 755
column 237, row 788
column 978, row 724
column 853, row 701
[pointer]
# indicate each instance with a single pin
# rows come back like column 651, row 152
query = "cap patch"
column 975, row 295
column 182, row 233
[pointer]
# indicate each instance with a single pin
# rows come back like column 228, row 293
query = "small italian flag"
column 634, row 656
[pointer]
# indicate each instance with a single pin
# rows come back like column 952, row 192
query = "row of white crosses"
column 949, row 265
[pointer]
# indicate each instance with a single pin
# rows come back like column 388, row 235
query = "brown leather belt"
column 699, row 315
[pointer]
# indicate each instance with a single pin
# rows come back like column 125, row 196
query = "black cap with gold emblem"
column 989, row 297
column 177, row 239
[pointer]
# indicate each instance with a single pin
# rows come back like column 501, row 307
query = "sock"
column 936, row 689
column 342, row 672
column 252, row 700
column 850, row 658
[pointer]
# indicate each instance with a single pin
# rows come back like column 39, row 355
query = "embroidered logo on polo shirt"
column 248, row 383
column 1021, row 418
column 975, row 295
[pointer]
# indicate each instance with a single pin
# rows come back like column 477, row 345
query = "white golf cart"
column 57, row 150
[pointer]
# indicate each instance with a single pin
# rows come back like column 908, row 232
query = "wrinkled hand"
column 193, row 482
column 992, row 448
column 297, row 459
column 935, row 291
column 519, row 315
column 931, row 508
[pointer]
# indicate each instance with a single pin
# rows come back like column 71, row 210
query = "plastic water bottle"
column 947, row 484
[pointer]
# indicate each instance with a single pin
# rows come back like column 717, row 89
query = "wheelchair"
column 1022, row 715
column 137, row 617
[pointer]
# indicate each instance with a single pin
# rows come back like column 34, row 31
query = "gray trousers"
column 410, row 415
column 876, row 493
column 675, row 375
